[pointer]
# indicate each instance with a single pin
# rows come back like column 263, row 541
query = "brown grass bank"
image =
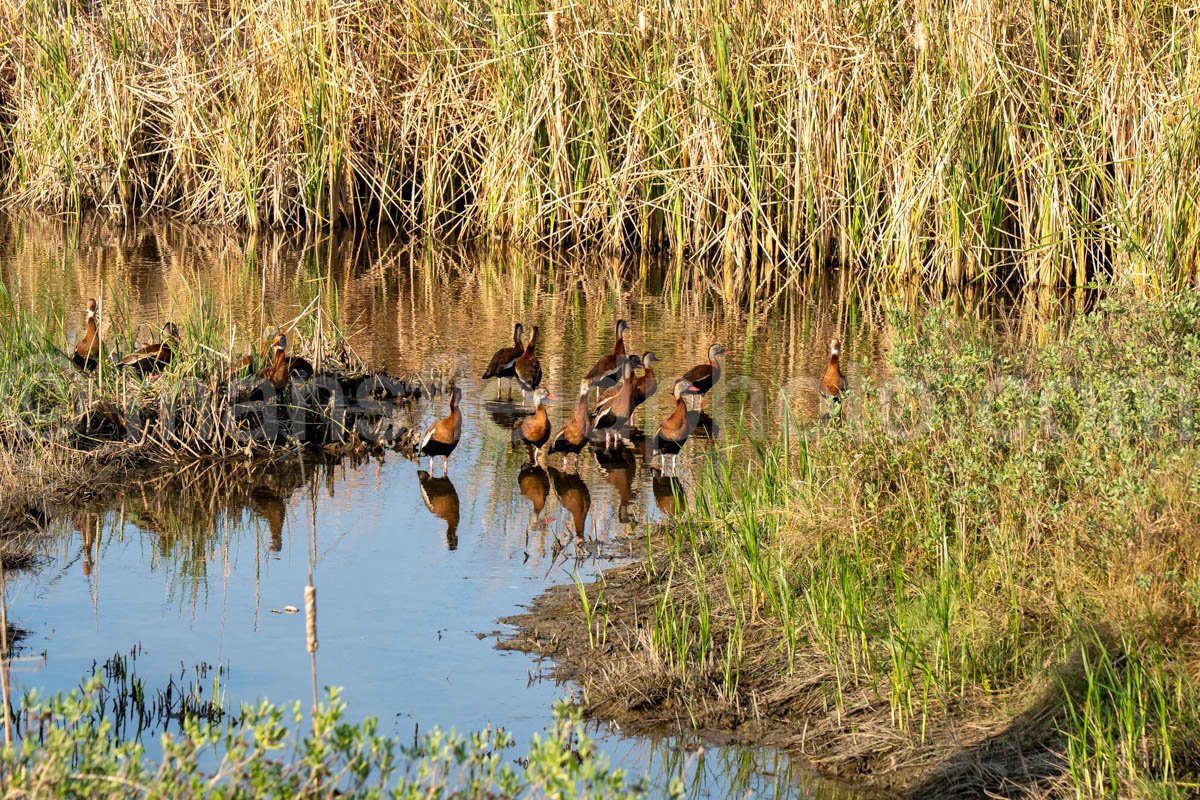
column 939, row 141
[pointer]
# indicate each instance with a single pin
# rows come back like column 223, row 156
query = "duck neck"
column 681, row 410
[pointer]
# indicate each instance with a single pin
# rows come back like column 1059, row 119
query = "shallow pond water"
column 202, row 565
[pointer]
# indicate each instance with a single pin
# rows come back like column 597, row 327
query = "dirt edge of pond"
column 1007, row 747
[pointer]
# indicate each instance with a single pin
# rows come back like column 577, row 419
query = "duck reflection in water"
column 669, row 494
column 620, row 468
column 88, row 526
column 705, row 426
column 267, row 503
column 441, row 498
column 504, row 414
column 534, row 484
column 574, row 496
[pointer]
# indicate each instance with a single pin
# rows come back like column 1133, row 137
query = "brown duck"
column 504, row 362
column 534, row 429
column 297, row 366
column 673, row 432
column 527, row 368
column 276, row 372
column 607, row 371
column 152, row 358
column 442, row 437
column 574, row 434
column 616, row 405
column 833, row 383
column 703, row 376
column 87, row 352
column 645, row 385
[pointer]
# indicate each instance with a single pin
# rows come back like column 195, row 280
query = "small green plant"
column 69, row 746
column 595, row 611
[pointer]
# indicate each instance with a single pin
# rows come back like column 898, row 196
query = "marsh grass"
column 983, row 568
column 1050, row 143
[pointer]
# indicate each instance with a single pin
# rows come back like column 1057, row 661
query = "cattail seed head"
column 310, row 616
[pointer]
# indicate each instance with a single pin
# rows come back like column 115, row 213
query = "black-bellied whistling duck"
column 297, row 366
column 504, row 362
column 833, row 383
column 276, row 372
column 673, row 432
column 87, row 352
column 534, row 430
column 245, row 367
column 703, row 376
column 441, row 498
column 300, row 367
column 442, row 437
column 249, row 365
column 607, row 371
column 534, row 484
column 645, row 385
column 574, row 496
column 527, row 368
column 616, row 405
column 154, row 357
column 574, row 434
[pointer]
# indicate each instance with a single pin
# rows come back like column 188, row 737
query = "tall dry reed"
column 944, row 142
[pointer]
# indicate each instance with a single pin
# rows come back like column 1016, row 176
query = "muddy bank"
column 990, row 745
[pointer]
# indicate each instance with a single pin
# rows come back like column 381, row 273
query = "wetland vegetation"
column 979, row 579
column 1047, row 143
column 974, row 574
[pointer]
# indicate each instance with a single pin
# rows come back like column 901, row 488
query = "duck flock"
column 621, row 382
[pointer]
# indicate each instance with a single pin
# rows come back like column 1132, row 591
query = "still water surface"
column 199, row 565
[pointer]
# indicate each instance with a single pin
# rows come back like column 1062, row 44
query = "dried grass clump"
column 933, row 141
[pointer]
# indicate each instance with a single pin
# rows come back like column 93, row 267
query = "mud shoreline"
column 972, row 749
